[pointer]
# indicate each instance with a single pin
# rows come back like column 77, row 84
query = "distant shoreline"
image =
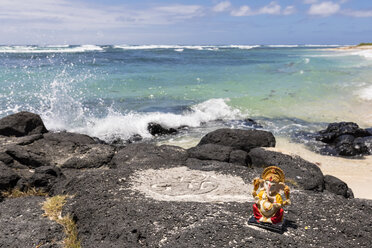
column 356, row 47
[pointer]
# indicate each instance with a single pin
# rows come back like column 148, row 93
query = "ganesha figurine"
column 268, row 209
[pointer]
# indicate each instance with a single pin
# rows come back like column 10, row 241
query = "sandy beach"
column 346, row 48
column 355, row 172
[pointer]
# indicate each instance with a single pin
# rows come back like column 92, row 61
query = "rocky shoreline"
column 143, row 195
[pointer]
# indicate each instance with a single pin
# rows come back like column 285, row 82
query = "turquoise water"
column 115, row 91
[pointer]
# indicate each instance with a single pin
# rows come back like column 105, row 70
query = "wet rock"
column 252, row 123
column 345, row 139
column 157, row 130
column 335, row 130
column 135, row 138
column 21, row 124
column 345, row 145
column 210, row 152
column 363, row 145
column 305, row 174
column 239, row 139
column 369, row 130
column 8, row 178
column 337, row 186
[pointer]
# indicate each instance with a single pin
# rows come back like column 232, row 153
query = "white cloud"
column 289, row 10
column 310, row 1
column 358, row 13
column 222, row 6
column 324, row 9
column 179, row 12
column 242, row 11
column 272, row 9
column 74, row 16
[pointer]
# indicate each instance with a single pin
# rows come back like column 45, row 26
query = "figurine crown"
column 273, row 173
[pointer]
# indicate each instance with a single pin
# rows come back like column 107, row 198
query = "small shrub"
column 365, row 44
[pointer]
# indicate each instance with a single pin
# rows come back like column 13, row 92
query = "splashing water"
column 115, row 91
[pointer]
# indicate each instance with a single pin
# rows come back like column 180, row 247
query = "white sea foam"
column 178, row 48
column 241, row 46
column 283, row 45
column 365, row 93
column 149, row 47
column 363, row 53
column 124, row 126
column 49, row 49
column 58, row 46
column 314, row 45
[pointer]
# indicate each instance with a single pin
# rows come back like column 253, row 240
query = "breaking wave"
column 125, row 125
column 180, row 48
column 50, row 49
column 365, row 93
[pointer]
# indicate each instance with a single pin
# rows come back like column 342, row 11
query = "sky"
column 185, row 22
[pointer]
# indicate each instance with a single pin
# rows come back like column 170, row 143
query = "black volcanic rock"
column 43, row 178
column 335, row 130
column 29, row 158
column 94, row 156
column 363, row 145
column 307, row 175
column 8, row 178
column 111, row 214
column 239, row 139
column 63, row 149
column 111, row 204
column 219, row 153
column 21, row 124
column 23, row 224
column 345, row 139
column 210, row 152
column 149, row 155
column 337, row 186
column 157, row 130
column 240, row 157
column 345, row 145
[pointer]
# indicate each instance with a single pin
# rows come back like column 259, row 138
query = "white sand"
column 183, row 184
column 355, row 172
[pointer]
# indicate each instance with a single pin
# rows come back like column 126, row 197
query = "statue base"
column 278, row 228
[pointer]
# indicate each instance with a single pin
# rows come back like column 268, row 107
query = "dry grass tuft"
column 291, row 181
column 53, row 210
column 15, row 193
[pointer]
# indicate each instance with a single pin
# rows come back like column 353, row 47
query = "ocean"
column 113, row 91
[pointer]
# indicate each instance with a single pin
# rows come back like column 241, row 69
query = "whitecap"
column 49, row 49
column 365, row 93
column 241, row 46
column 282, row 46
column 125, row 125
